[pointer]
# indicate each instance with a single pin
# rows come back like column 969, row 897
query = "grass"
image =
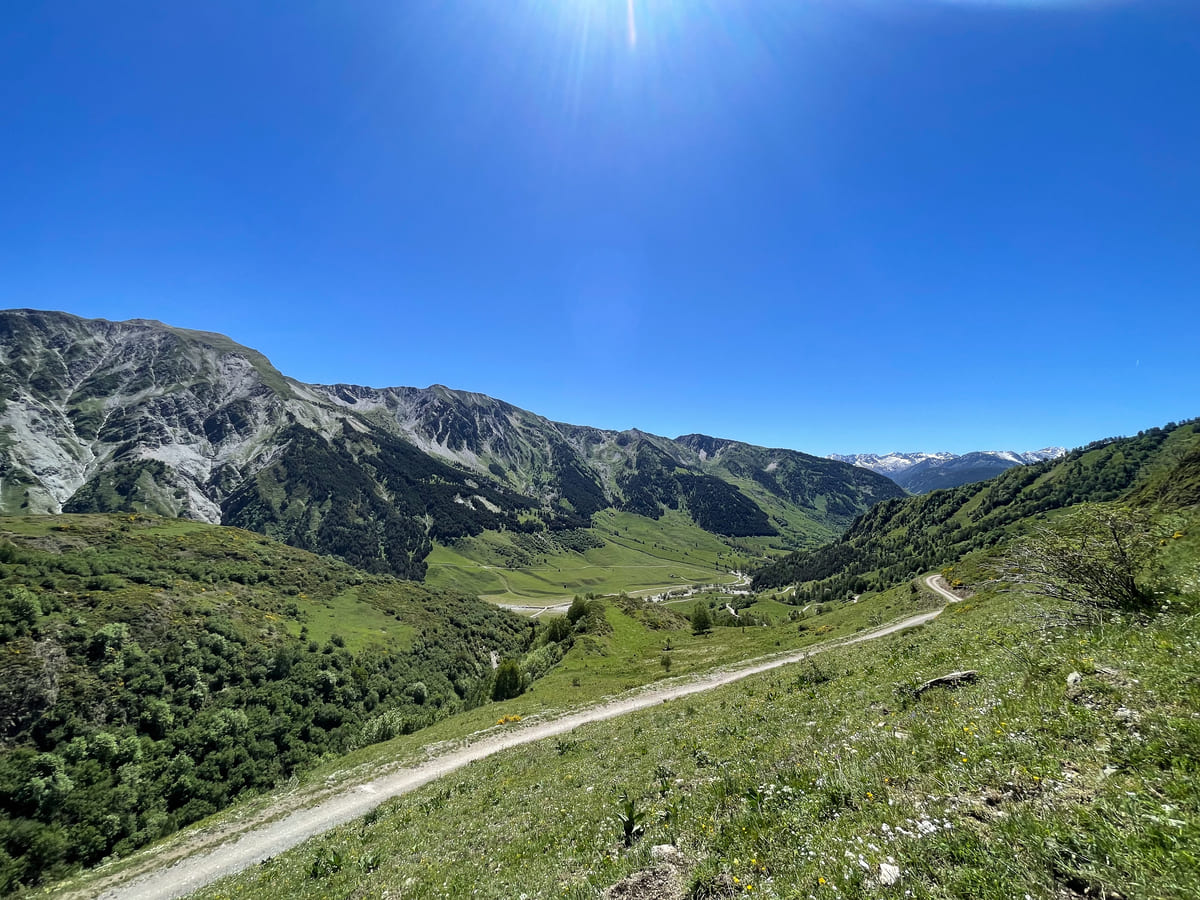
column 600, row 667
column 359, row 622
column 805, row 781
column 596, row 668
column 363, row 616
column 639, row 555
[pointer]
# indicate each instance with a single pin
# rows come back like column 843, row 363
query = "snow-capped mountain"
column 920, row 473
column 888, row 463
column 1033, row 456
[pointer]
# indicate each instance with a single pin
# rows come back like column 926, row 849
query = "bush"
column 558, row 630
column 577, row 610
column 509, row 682
column 540, row 661
column 1097, row 557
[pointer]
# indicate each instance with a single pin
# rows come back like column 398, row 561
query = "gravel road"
column 271, row 839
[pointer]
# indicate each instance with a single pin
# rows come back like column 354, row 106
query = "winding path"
column 193, row 872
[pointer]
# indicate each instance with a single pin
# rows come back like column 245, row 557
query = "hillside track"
column 183, row 876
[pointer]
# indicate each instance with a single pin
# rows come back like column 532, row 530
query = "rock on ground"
column 660, row 883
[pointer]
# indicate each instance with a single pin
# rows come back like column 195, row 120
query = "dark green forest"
column 719, row 507
column 656, row 482
column 155, row 669
column 366, row 499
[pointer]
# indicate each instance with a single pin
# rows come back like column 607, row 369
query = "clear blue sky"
column 834, row 225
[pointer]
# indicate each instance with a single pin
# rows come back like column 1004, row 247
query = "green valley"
column 171, row 684
column 1066, row 768
column 620, row 552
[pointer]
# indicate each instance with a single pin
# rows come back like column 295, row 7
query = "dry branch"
column 952, row 680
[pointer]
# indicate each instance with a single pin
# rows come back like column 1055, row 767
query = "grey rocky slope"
column 138, row 415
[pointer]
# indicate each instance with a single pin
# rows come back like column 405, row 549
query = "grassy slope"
column 803, row 781
column 304, row 591
column 640, row 555
column 597, row 667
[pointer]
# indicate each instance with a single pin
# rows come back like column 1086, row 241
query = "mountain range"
column 100, row 416
column 919, row 473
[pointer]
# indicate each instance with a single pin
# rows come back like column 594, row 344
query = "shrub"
column 1096, row 557
column 509, row 682
column 558, row 630
column 577, row 610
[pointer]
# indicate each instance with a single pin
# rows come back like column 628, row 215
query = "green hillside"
column 1064, row 767
column 154, row 670
column 787, row 483
column 898, row 538
column 807, row 781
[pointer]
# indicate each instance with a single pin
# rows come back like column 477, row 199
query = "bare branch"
column 1094, row 557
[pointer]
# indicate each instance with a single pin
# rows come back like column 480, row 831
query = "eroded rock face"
column 93, row 410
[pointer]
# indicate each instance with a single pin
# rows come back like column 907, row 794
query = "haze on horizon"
column 838, row 226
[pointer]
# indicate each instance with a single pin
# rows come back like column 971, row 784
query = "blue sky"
column 833, row 225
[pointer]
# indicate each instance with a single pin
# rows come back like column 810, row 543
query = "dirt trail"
column 193, row 872
column 935, row 582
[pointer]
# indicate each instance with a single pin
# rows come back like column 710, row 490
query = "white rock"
column 664, row 851
column 888, row 874
column 1074, row 679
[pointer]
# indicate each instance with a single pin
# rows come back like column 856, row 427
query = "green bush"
column 509, row 681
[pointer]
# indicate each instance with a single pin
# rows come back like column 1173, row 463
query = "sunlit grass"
column 809, row 780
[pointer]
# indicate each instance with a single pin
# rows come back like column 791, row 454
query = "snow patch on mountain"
column 1033, row 456
column 889, row 463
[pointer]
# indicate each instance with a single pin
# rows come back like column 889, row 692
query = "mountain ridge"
column 99, row 416
column 921, row 472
